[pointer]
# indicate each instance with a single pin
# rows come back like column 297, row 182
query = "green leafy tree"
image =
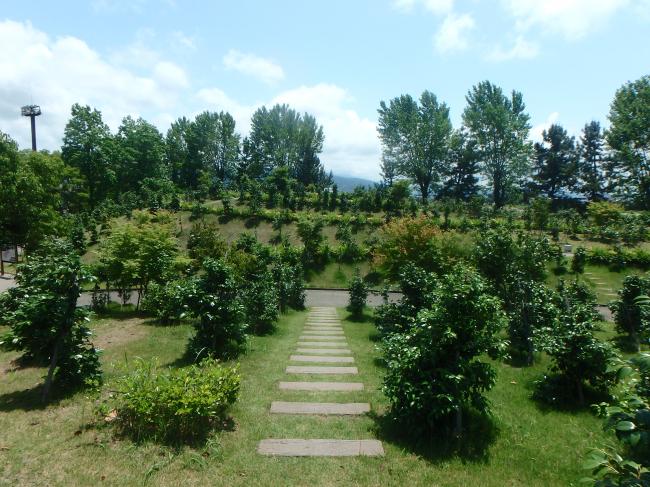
column 499, row 127
column 579, row 260
column 556, row 162
column 136, row 254
column 417, row 136
column 213, row 148
column 281, row 137
column 434, row 369
column 592, row 161
column 629, row 138
column 36, row 192
column 89, row 146
column 45, row 323
column 461, row 178
column 310, row 232
column 141, row 151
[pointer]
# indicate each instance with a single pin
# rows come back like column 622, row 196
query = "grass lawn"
column 60, row 445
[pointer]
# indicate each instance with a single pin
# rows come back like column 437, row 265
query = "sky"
column 336, row 59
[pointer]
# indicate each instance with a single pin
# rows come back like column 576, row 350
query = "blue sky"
column 162, row 59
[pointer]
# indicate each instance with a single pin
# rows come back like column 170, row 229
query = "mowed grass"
column 61, row 445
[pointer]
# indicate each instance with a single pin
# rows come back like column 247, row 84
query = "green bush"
column 168, row 302
column 175, row 405
column 435, row 368
column 630, row 317
column 579, row 260
column 358, row 296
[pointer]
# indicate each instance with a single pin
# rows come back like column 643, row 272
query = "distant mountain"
column 347, row 183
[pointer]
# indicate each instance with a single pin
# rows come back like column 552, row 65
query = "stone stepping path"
column 321, row 448
column 323, row 359
column 322, row 342
column 321, row 386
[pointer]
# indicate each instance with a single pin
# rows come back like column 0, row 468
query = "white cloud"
column 572, row 19
column 536, row 131
column 521, row 49
column 437, row 7
column 184, row 41
column 452, row 35
column 56, row 73
column 249, row 64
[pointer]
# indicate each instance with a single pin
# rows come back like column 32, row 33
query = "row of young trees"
column 420, row 143
column 198, row 156
column 459, row 306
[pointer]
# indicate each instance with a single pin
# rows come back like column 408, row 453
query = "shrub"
column 205, row 241
column 578, row 357
column 579, row 260
column 168, row 302
column 434, row 371
column 630, row 317
column 221, row 326
column 261, row 301
column 175, row 405
column 604, row 213
column 45, row 323
column 358, row 295
column 290, row 285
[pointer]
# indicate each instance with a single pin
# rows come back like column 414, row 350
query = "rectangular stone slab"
column 321, row 386
column 320, row 448
column 326, row 332
column 312, row 369
column 327, row 321
column 336, row 408
column 321, row 328
column 323, row 359
column 323, row 337
column 324, row 351
column 322, row 344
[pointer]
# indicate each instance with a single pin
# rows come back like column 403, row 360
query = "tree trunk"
column 581, row 393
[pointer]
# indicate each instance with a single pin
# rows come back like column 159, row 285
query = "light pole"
column 32, row 111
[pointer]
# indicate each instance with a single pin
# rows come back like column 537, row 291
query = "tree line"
column 492, row 146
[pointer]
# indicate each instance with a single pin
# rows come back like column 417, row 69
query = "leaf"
column 625, row 426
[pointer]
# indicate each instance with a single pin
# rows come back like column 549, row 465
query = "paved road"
column 313, row 297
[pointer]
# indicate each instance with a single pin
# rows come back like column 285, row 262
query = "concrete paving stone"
column 320, row 448
column 322, row 328
column 322, row 344
column 321, row 386
column 326, row 332
column 324, row 351
column 323, row 359
column 322, row 337
column 312, row 369
column 334, row 408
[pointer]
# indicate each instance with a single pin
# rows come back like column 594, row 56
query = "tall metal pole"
column 32, row 111
column 33, row 120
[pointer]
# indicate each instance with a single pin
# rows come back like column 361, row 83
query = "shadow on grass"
column 115, row 311
column 553, row 393
column 363, row 318
column 473, row 446
column 30, row 399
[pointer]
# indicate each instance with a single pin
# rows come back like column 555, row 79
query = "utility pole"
column 32, row 111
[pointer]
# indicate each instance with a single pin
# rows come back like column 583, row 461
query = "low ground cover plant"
column 175, row 405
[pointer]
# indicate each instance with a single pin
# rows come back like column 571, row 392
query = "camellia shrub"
column 169, row 302
column 630, row 317
column 358, row 296
column 435, row 370
column 174, row 405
